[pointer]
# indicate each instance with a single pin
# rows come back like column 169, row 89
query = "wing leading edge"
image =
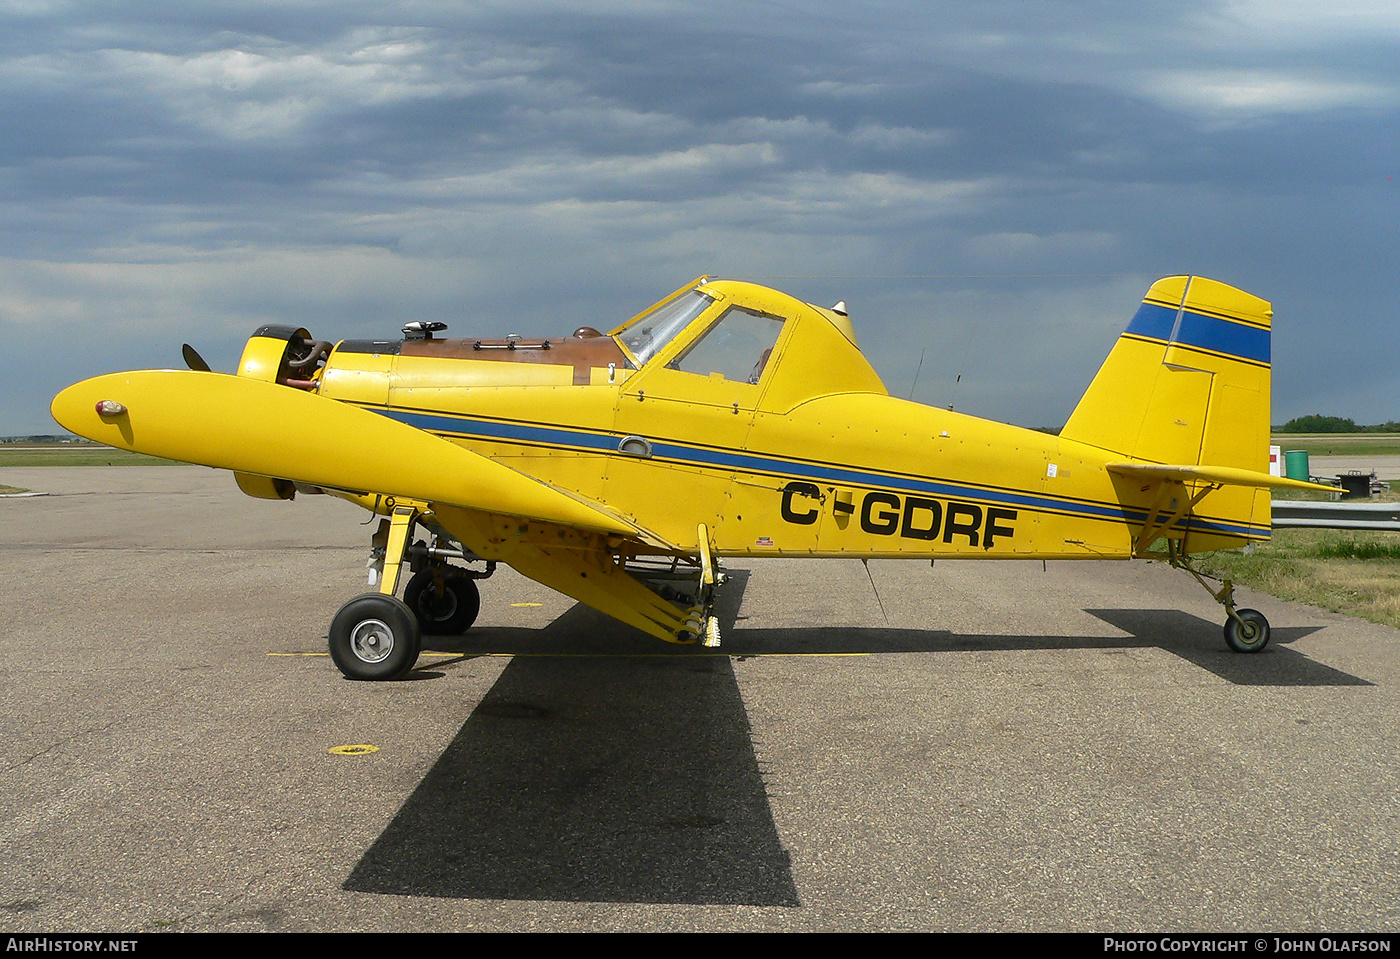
column 553, row 536
column 241, row 424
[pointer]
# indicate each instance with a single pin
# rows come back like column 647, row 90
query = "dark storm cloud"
column 168, row 168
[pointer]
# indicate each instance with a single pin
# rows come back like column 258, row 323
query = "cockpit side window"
column 737, row 346
column 649, row 334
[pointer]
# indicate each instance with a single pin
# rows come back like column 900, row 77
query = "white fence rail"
column 1299, row 514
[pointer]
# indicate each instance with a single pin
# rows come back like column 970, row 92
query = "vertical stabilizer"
column 1187, row 382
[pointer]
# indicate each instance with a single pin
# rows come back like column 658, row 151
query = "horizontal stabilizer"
column 249, row 426
column 1220, row 475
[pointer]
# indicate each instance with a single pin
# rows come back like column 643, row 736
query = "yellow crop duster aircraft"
column 728, row 420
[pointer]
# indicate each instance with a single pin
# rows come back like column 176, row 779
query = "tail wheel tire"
column 1249, row 633
column 449, row 614
column 374, row 637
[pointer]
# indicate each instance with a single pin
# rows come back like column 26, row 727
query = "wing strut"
column 1154, row 527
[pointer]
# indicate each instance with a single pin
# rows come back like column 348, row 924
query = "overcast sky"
column 992, row 185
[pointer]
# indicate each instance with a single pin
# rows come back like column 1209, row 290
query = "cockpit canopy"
column 742, row 333
column 723, row 342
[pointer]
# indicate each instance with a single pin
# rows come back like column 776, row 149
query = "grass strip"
column 1344, row 571
column 76, row 456
column 1340, row 444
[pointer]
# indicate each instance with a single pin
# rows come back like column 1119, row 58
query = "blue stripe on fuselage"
column 439, row 423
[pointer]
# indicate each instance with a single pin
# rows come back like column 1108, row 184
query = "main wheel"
column 450, row 614
column 1249, row 633
column 374, row 637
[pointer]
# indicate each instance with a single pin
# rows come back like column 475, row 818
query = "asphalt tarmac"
column 1004, row 747
column 1385, row 467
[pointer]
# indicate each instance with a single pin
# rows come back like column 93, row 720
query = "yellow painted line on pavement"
column 358, row 749
column 327, row 654
column 430, row 655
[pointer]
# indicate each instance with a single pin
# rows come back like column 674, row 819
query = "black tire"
column 374, row 637
column 450, row 614
column 1248, row 634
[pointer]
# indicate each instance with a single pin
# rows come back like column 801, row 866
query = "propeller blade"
column 193, row 360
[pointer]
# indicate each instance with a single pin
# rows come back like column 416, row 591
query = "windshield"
column 650, row 333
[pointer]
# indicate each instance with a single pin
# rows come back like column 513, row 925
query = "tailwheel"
column 444, row 601
column 374, row 637
column 1247, row 631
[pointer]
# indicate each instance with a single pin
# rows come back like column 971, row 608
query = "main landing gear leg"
column 376, row 635
column 710, row 577
column 1246, row 630
column 701, row 625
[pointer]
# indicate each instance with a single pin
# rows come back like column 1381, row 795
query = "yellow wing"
column 551, row 535
column 237, row 423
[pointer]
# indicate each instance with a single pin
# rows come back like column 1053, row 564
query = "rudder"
column 1187, row 382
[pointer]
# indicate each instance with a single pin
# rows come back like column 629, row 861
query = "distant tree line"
column 1317, row 423
column 44, row 438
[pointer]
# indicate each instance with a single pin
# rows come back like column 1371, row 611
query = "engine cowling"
column 285, row 355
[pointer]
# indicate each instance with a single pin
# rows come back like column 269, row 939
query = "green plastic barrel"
column 1295, row 464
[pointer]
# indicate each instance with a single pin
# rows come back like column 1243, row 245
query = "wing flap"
column 576, row 564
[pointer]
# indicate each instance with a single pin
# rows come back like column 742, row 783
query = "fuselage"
column 728, row 419
column 801, row 452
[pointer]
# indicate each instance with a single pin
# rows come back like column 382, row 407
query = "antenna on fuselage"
column 963, row 365
column 866, row 564
column 916, row 373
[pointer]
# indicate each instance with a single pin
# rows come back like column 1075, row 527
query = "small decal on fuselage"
column 909, row 517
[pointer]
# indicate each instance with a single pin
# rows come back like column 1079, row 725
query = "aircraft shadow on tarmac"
column 629, row 777
column 602, row 767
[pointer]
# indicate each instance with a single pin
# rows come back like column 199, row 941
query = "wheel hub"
column 372, row 641
column 442, row 607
